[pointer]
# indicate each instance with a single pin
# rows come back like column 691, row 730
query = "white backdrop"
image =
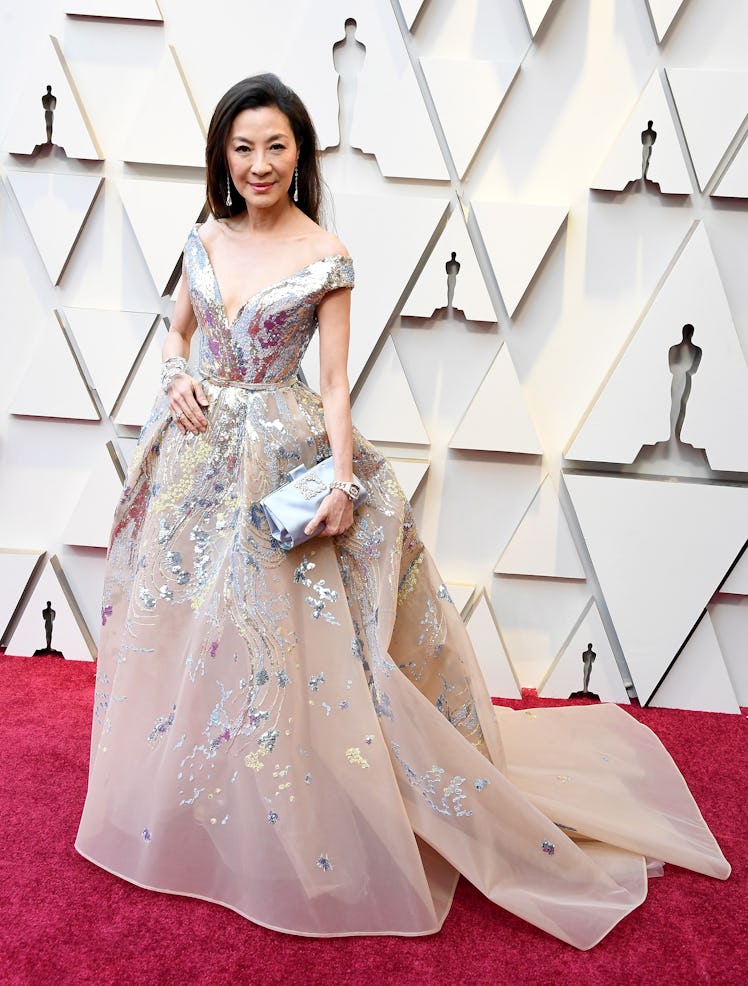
column 530, row 423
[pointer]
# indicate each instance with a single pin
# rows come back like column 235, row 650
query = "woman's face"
column 261, row 155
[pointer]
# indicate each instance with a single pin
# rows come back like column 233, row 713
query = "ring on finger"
column 178, row 415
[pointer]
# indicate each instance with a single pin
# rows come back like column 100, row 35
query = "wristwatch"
column 351, row 490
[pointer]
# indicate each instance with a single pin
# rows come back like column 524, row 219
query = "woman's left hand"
column 335, row 512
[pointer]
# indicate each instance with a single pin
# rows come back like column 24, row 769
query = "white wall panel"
column 146, row 10
column 698, row 679
column 430, row 292
column 729, row 615
column 663, row 14
column 624, row 163
column 712, row 107
column 497, row 419
column 634, row 406
column 734, row 183
column 660, row 549
column 69, row 631
column 455, row 83
column 591, row 76
column 167, row 129
column 542, row 545
column 500, row 676
column 16, row 568
column 71, row 130
column 55, row 207
column 517, row 236
column 567, row 673
column 384, row 409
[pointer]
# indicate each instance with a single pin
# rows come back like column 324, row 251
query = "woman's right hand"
column 185, row 397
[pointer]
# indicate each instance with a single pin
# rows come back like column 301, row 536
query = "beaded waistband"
column 245, row 385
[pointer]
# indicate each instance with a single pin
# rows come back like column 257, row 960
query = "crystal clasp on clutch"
column 310, row 485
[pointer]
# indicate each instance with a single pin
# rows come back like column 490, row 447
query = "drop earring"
column 296, row 184
column 228, row 190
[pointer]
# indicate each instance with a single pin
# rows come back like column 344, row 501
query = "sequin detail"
column 161, row 727
column 323, row 862
column 353, row 755
column 443, row 799
column 548, row 847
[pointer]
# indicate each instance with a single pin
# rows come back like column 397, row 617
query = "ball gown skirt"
column 305, row 736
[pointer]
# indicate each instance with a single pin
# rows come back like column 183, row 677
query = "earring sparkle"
column 296, row 184
column 228, row 190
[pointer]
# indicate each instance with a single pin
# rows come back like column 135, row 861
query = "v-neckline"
column 256, row 294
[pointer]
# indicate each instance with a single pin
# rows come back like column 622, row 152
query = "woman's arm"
column 334, row 317
column 185, row 393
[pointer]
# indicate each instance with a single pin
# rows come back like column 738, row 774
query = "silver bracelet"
column 172, row 367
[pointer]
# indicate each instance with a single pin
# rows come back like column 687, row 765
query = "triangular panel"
column 517, row 237
column 16, row 569
column 497, row 419
column 736, row 583
column 498, row 672
column 535, row 11
column 90, row 523
column 109, row 343
column 618, row 425
column 409, row 473
column 161, row 239
column 130, row 10
column 461, row 595
column 396, row 418
column 537, row 617
column 55, row 207
column 567, row 674
column 712, row 107
column 53, row 387
column 182, row 141
column 698, row 680
column 431, row 290
column 729, row 618
column 144, row 388
column 663, row 14
column 384, row 265
column 69, row 631
column 71, row 129
column 624, row 161
column 659, row 549
column 542, row 545
column 734, row 183
column 410, row 9
column 458, row 83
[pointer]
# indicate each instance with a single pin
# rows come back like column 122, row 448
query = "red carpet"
column 66, row 922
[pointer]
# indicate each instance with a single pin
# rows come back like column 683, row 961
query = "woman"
column 305, row 736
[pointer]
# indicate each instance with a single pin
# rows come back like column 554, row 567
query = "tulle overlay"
column 305, row 736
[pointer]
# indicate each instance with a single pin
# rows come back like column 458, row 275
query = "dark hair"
column 261, row 90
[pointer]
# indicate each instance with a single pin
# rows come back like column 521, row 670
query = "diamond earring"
column 296, row 184
column 228, row 190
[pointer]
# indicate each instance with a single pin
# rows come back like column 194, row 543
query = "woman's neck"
column 264, row 222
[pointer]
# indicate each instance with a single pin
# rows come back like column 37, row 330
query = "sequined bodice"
column 271, row 331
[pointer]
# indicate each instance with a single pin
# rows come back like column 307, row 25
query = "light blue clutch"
column 290, row 507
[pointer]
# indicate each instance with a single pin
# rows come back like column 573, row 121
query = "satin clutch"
column 290, row 507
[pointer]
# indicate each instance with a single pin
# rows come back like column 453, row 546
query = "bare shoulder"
column 330, row 245
column 320, row 242
column 208, row 230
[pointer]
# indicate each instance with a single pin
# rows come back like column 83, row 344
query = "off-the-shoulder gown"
column 305, row 736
